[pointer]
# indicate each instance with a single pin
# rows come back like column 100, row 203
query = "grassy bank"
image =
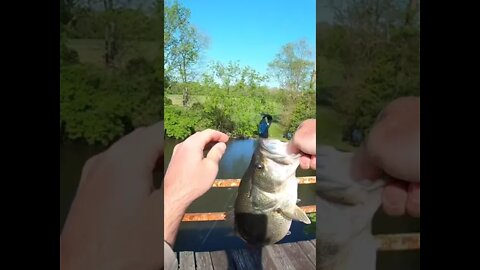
column 330, row 125
column 276, row 132
column 177, row 99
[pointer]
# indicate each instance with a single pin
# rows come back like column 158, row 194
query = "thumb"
column 292, row 148
column 210, row 163
column 216, row 153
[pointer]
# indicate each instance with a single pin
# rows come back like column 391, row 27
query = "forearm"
column 174, row 211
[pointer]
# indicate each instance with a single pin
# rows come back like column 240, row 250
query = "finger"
column 394, row 140
column 292, row 148
column 141, row 148
column 395, row 198
column 313, row 162
column 305, row 162
column 216, row 153
column 305, row 137
column 154, row 142
column 363, row 166
column 207, row 147
column 413, row 200
column 88, row 168
column 199, row 140
column 176, row 148
column 135, row 157
column 212, row 159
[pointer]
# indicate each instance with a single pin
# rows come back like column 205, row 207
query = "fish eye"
column 259, row 166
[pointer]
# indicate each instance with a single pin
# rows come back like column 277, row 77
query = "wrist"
column 174, row 211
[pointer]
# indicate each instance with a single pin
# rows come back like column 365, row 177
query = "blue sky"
column 252, row 32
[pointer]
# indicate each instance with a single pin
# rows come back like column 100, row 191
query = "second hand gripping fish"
column 266, row 202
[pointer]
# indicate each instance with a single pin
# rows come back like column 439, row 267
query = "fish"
column 266, row 201
column 345, row 209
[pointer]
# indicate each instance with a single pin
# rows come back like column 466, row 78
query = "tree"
column 373, row 49
column 234, row 77
column 182, row 45
column 292, row 66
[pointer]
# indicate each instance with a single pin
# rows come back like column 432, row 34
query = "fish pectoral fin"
column 296, row 213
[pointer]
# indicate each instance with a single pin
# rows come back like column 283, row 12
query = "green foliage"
column 130, row 24
column 232, row 75
column 180, row 122
column 233, row 107
column 367, row 59
column 293, row 67
column 67, row 56
column 99, row 106
column 305, row 108
column 312, row 227
column 182, row 42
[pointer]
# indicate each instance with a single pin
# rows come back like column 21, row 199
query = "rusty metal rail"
column 221, row 216
column 226, row 183
column 398, row 241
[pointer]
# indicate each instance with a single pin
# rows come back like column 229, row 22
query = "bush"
column 99, row 105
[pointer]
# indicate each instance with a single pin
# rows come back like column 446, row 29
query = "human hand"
column 115, row 221
column 392, row 150
column 190, row 175
column 304, row 141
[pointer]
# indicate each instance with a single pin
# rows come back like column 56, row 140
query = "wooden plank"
column 314, row 242
column 309, row 250
column 203, row 260
column 186, row 260
column 228, row 183
column 222, row 216
column 268, row 259
column 278, row 258
column 220, row 260
column 297, row 256
column 245, row 259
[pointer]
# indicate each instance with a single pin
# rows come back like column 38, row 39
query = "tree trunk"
column 184, row 79
column 313, row 79
column 412, row 7
column 110, row 43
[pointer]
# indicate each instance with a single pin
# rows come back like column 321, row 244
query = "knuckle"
column 91, row 162
column 139, row 130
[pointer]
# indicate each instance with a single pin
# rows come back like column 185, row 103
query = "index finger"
column 199, row 140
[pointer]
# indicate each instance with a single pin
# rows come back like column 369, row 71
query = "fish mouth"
column 276, row 150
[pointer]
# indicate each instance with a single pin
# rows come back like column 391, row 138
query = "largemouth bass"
column 345, row 209
column 266, row 202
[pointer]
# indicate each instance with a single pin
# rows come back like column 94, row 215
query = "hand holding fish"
column 392, row 150
column 304, row 141
column 190, row 175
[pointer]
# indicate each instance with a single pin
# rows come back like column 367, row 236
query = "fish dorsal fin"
column 295, row 213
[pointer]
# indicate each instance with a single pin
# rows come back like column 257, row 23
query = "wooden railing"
column 386, row 242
